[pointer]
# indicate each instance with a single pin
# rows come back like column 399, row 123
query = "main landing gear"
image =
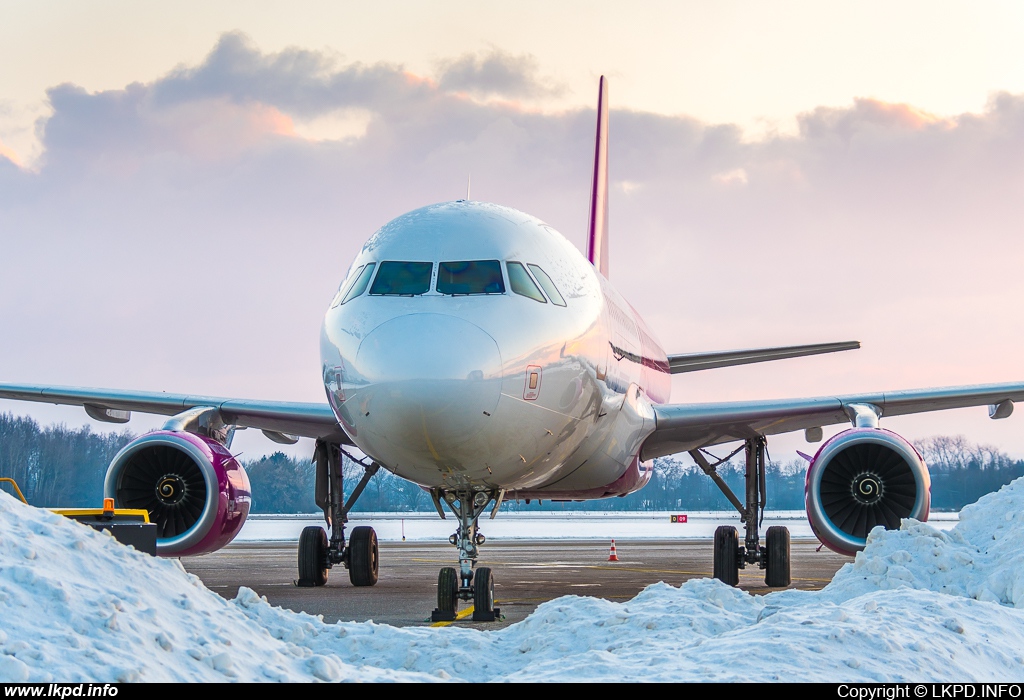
column 466, row 583
column 729, row 555
column 317, row 553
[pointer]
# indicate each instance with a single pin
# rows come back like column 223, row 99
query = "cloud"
column 496, row 74
column 869, row 114
column 301, row 81
column 9, row 154
column 187, row 234
column 736, row 176
column 118, row 130
column 241, row 98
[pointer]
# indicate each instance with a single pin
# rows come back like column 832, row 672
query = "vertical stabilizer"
column 597, row 237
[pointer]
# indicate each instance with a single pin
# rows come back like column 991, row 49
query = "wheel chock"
column 481, row 616
column 442, row 615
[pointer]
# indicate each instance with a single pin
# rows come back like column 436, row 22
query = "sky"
column 183, row 187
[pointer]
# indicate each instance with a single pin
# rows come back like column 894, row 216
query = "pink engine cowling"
column 862, row 478
column 196, row 492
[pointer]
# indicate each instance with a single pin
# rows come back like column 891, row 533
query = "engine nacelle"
column 196, row 493
column 862, row 478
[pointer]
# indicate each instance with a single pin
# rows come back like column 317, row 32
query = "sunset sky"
column 182, row 186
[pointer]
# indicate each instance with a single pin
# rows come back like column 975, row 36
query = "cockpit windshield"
column 545, row 281
column 470, row 277
column 345, row 284
column 359, row 283
column 522, row 283
column 402, row 278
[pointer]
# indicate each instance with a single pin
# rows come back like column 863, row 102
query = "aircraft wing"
column 112, row 406
column 685, row 427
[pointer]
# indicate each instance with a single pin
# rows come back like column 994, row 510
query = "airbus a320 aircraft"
column 474, row 351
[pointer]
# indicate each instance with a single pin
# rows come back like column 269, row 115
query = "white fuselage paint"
column 437, row 388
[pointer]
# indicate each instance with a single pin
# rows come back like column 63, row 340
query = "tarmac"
column 526, row 574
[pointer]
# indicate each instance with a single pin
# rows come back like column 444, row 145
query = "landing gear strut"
column 466, row 583
column 317, row 553
column 729, row 555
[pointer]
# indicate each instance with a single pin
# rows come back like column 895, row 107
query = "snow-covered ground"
column 391, row 527
column 918, row 604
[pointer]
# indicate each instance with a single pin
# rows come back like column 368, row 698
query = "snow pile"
column 981, row 558
column 917, row 604
column 75, row 605
column 702, row 631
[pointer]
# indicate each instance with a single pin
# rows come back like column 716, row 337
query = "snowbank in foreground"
column 76, row 605
column 981, row 558
column 917, row 604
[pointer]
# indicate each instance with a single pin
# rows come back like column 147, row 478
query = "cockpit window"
column 402, row 278
column 345, row 284
column 359, row 286
column 547, row 284
column 470, row 277
column 521, row 282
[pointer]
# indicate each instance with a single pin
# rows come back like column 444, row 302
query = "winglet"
column 597, row 238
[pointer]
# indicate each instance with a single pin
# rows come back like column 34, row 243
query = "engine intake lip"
column 200, row 482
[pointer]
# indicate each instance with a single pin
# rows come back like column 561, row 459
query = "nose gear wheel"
column 483, row 596
column 448, row 592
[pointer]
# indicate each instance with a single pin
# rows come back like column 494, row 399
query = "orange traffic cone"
column 612, row 556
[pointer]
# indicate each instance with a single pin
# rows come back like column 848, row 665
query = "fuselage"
column 482, row 350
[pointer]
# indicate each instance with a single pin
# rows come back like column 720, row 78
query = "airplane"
column 474, row 351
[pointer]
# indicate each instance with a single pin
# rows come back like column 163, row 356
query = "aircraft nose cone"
column 432, row 383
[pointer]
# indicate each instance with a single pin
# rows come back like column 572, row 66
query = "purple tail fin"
column 597, row 237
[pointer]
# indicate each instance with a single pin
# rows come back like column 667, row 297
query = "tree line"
column 57, row 466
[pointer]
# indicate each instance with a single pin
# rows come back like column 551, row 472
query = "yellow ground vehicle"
column 128, row 526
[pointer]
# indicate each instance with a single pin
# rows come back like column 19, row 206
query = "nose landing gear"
column 467, row 583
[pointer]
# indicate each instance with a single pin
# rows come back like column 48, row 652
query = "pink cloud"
column 9, row 154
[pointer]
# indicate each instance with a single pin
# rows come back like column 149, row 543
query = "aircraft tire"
column 363, row 556
column 726, row 565
column 483, row 591
column 312, row 556
column 448, row 590
column 777, row 564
